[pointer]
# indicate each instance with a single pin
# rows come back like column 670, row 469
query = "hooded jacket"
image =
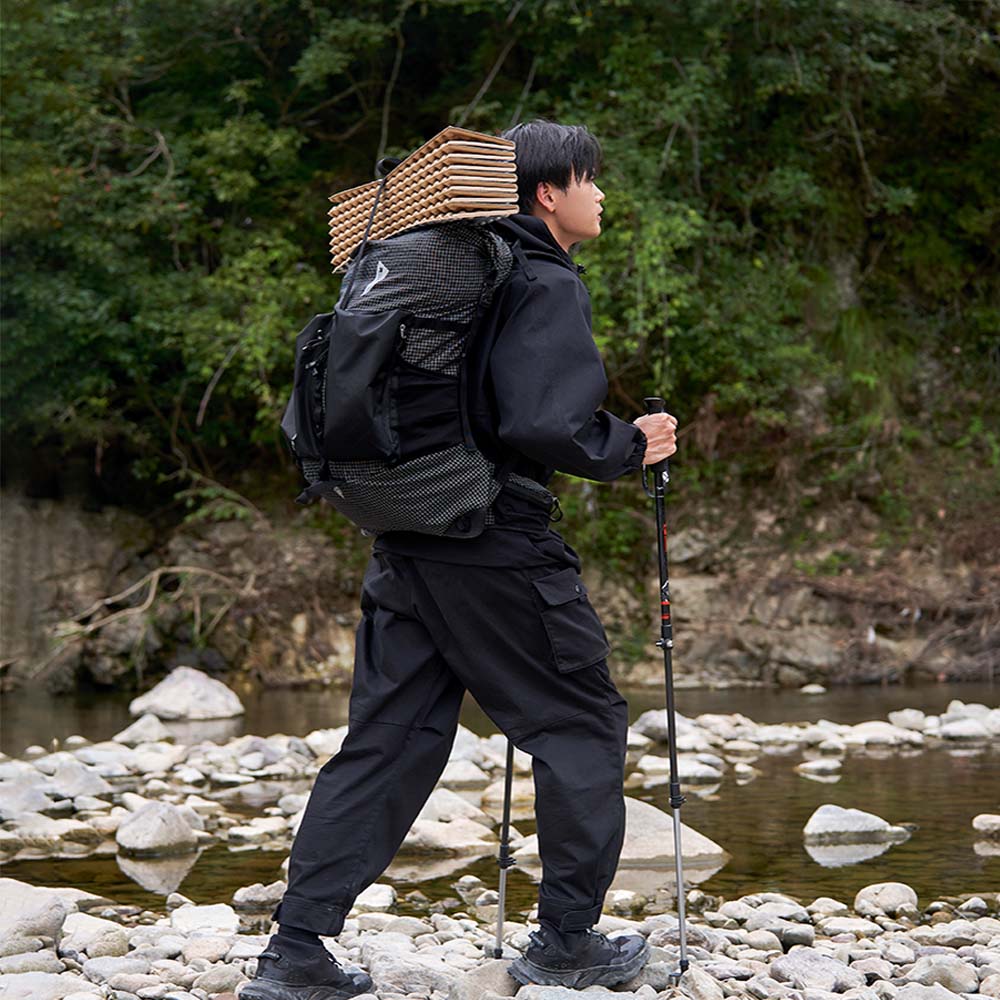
column 536, row 383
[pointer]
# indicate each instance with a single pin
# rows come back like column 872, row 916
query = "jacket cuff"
column 638, row 452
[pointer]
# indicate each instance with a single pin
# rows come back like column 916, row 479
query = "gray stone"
column 699, row 985
column 218, row 917
column 807, row 968
column 219, row 979
column 884, row 898
column 460, row 837
column 160, row 875
column 964, row 729
column 17, row 945
column 834, row 824
column 99, row 970
column 444, row 805
column 987, row 824
column 210, row 948
column 916, row 991
column 146, row 729
column 259, row 896
column 157, row 829
column 81, row 930
column 949, row 971
column 873, row 968
column 73, row 778
column 857, row 926
column 394, row 972
column 562, row 993
column 38, row 961
column 186, row 693
column 490, row 977
column 44, row 986
column 26, row 911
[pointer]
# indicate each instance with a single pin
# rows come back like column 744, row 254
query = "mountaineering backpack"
column 377, row 419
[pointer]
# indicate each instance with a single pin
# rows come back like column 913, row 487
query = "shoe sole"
column 268, row 989
column 526, row 973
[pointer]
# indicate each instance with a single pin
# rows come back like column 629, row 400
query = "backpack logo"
column 381, row 273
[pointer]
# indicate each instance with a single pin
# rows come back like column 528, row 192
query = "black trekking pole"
column 661, row 477
column 504, row 860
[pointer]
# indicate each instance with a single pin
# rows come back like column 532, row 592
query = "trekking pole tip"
column 654, row 404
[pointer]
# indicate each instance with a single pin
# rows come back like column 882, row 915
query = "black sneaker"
column 580, row 959
column 294, row 971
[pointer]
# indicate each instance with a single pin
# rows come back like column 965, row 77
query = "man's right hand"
column 661, row 436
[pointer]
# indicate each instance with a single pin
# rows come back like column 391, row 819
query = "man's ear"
column 545, row 197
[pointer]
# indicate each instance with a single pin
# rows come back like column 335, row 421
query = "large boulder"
column 27, row 911
column 158, row 828
column 186, row 693
column 649, row 840
column 831, row 824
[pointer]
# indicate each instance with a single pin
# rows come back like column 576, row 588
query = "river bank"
column 274, row 602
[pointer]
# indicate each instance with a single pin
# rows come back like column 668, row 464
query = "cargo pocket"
column 575, row 632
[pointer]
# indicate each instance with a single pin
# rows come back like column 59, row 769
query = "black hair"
column 551, row 153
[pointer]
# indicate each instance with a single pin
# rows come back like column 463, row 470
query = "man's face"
column 574, row 215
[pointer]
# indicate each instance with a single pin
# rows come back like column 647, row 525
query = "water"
column 938, row 791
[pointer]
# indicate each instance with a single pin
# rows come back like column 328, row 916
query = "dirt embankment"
column 95, row 598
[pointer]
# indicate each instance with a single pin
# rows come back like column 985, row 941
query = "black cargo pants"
column 529, row 647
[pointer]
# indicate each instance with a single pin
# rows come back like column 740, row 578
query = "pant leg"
column 403, row 717
column 530, row 648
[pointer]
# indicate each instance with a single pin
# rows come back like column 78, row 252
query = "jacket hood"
column 535, row 238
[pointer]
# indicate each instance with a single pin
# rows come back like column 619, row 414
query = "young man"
column 504, row 616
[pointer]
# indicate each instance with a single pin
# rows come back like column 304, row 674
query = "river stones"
column 45, row 986
column 987, row 825
column 831, row 824
column 949, row 971
column 217, row 918
column 807, row 968
column 444, row 805
column 157, row 828
column 460, row 837
column 27, row 912
column 146, row 729
column 186, row 693
column 491, row 977
column 886, row 898
column 377, row 898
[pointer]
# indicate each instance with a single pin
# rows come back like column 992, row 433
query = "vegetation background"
column 801, row 246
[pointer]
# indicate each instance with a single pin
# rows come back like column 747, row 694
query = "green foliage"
column 801, row 215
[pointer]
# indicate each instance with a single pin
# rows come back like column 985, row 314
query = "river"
column 937, row 791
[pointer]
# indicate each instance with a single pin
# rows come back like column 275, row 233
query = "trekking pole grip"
column 654, row 404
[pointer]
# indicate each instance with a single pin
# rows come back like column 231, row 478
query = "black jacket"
column 537, row 379
column 535, row 384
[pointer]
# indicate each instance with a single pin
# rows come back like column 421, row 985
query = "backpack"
column 378, row 420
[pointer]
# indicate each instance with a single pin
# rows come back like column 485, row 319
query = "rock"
column 444, row 805
column 915, row 991
column 653, row 725
column 44, row 986
column 402, row 973
column 217, row 917
column 27, row 912
column 824, row 906
column 99, row 970
column 463, row 774
column 829, row 765
column 964, row 729
column 157, row 829
column 690, row 770
column 326, row 743
column 460, row 837
column 259, row 896
column 807, row 968
column 72, row 778
column 207, row 948
column 490, row 977
column 699, row 985
column 812, row 689
column 949, row 971
column 259, row 830
column 81, row 930
column 377, row 898
column 832, row 926
column 146, row 729
column 873, row 968
column 987, row 824
column 45, row 833
column 831, row 824
column 562, row 993
column 219, row 979
column 990, row 986
column 909, row 718
column 884, row 898
column 44, row 960
column 186, row 693
column 522, row 798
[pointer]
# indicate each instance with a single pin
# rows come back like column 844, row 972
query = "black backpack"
column 378, row 417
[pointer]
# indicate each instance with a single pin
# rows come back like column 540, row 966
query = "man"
column 504, row 615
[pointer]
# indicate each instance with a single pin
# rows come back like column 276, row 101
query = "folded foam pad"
column 459, row 174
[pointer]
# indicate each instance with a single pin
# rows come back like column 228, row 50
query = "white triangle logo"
column 381, row 273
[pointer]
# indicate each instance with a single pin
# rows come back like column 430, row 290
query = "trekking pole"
column 661, row 477
column 504, row 860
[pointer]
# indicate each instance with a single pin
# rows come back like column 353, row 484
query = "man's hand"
column 661, row 436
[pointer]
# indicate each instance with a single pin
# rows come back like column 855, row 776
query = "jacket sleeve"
column 549, row 381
